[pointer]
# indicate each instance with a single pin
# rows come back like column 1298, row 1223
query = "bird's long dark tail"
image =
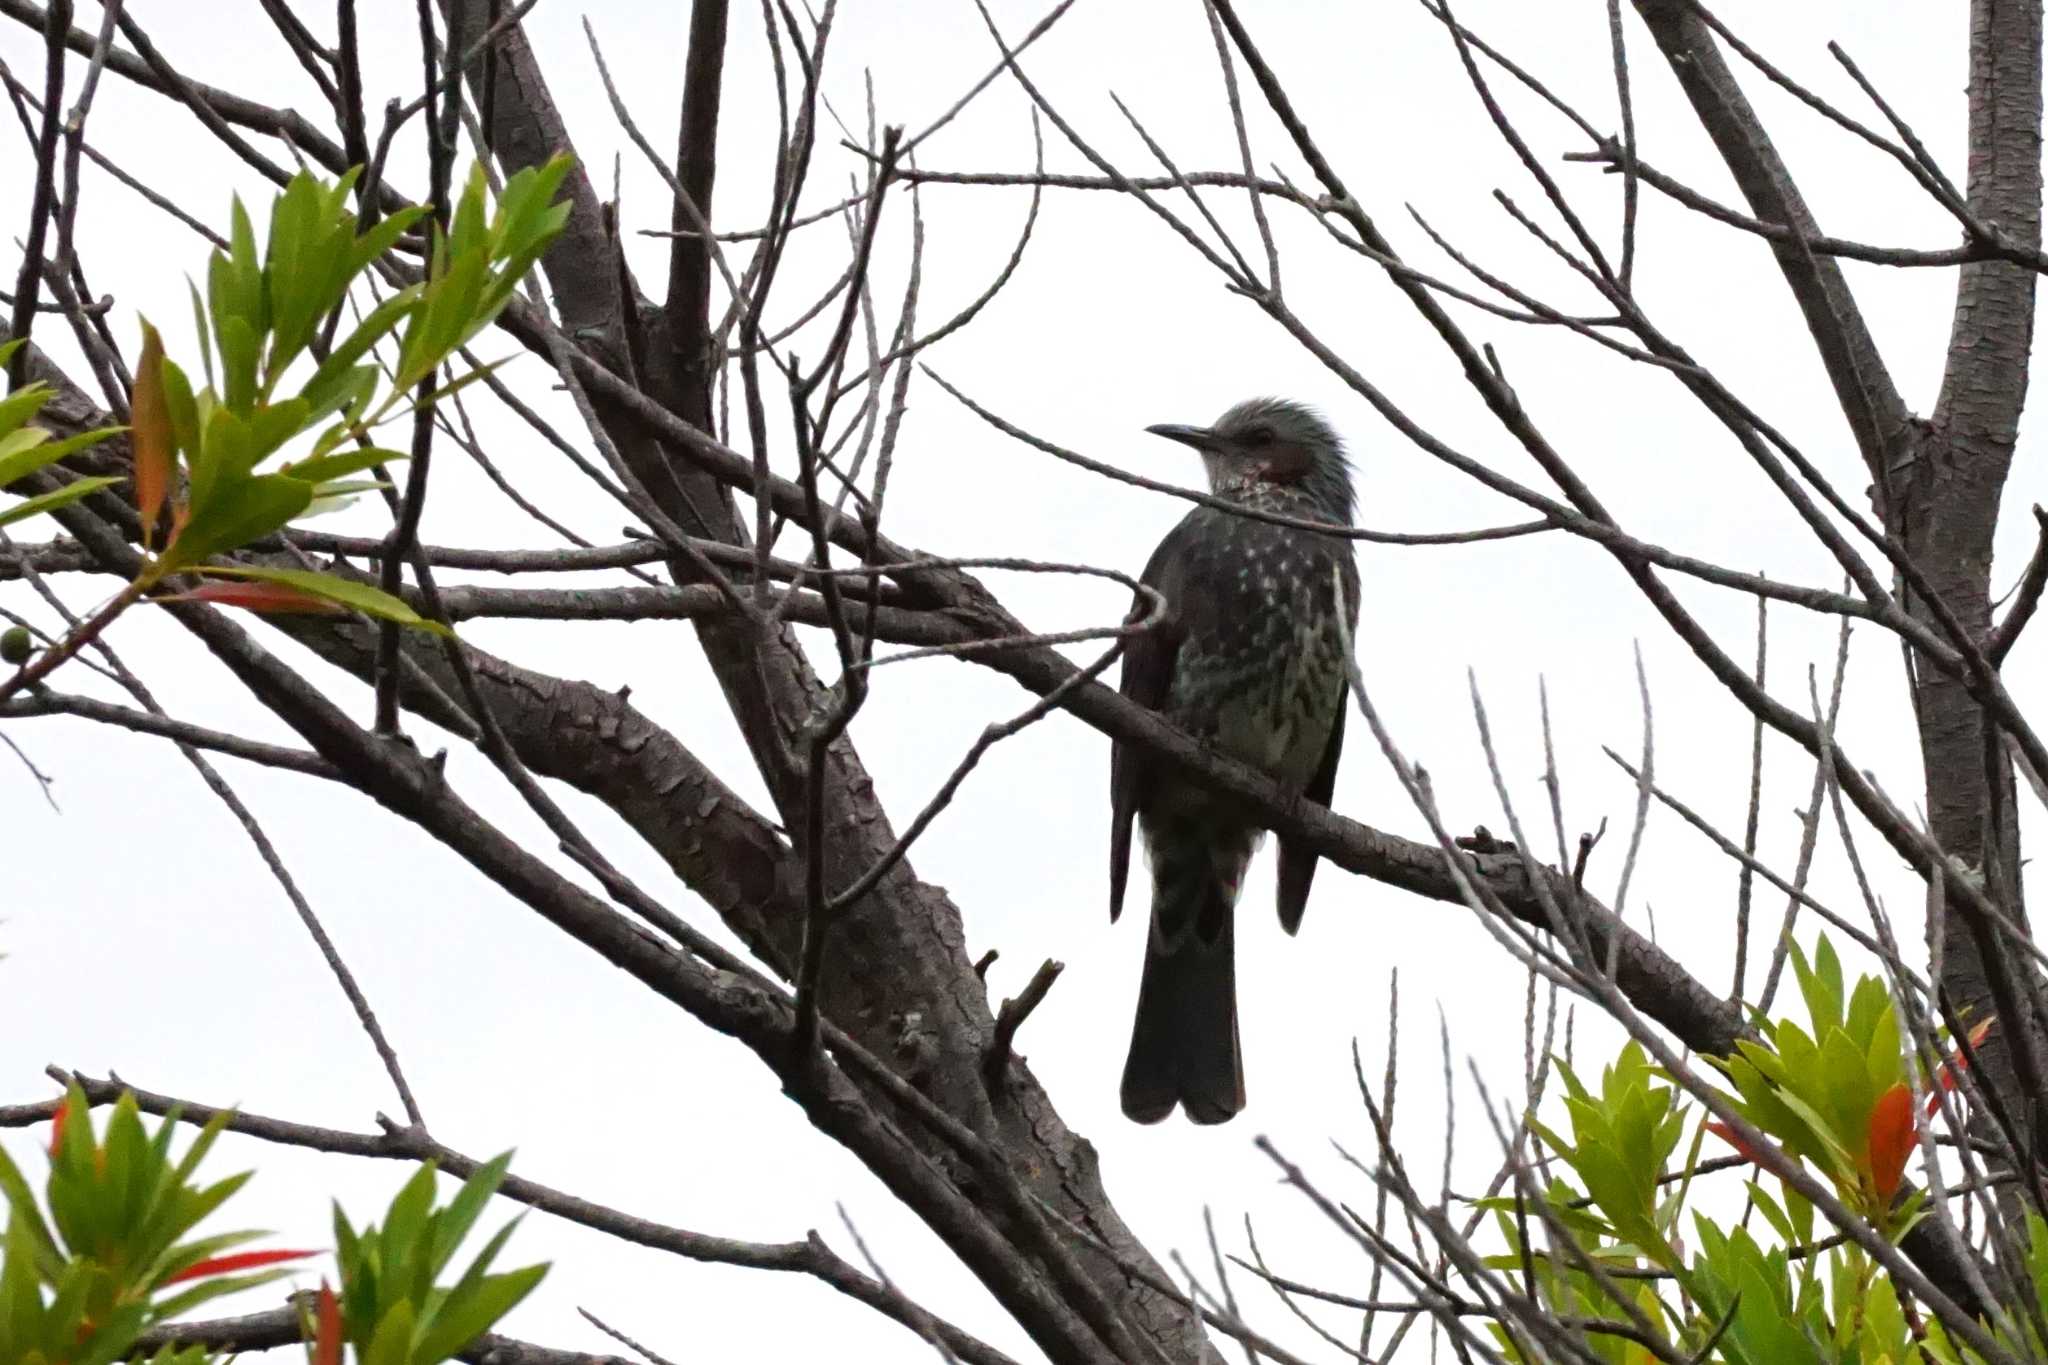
column 1184, row 1046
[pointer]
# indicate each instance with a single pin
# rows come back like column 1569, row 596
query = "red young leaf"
column 57, row 1124
column 1732, row 1138
column 151, row 440
column 326, row 1328
column 253, row 596
column 1892, row 1134
column 239, row 1260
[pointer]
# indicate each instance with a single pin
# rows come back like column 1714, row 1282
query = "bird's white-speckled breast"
column 1264, row 682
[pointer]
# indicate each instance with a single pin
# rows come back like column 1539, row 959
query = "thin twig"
column 1011, row 1017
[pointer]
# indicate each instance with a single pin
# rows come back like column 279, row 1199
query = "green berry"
column 16, row 644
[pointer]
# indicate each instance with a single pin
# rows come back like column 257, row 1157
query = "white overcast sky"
column 142, row 934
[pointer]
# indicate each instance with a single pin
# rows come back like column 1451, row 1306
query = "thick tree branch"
column 688, row 305
column 904, row 984
column 1943, row 499
column 704, row 981
column 1877, row 414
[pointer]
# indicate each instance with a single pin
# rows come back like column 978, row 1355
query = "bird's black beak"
column 1201, row 438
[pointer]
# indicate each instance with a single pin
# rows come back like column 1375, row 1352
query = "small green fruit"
column 16, row 644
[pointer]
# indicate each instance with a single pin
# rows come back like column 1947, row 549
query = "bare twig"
column 1012, row 1016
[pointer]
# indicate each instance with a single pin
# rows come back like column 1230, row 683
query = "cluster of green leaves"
column 1832, row 1095
column 391, row 1309
column 1770, row 1307
column 25, row 448
column 1836, row 1097
column 1622, row 1137
column 116, row 1256
column 263, row 312
column 1621, row 1140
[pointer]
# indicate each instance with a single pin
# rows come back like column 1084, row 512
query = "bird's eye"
column 1258, row 436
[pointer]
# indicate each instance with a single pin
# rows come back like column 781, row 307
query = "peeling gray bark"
column 1937, row 481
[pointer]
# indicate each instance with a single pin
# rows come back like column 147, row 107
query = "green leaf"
column 296, row 268
column 1883, row 1058
column 1830, row 1152
column 406, row 1224
column 333, row 372
column 1821, row 986
column 463, row 1210
column 50, row 502
column 1801, row 1056
column 204, row 1290
column 247, row 267
column 467, row 224
column 327, row 468
column 460, row 1323
column 236, row 514
column 460, row 382
column 126, row 1170
column 24, row 451
column 1848, row 1097
column 331, row 498
column 182, row 407
column 204, row 333
column 250, row 441
column 14, row 1190
column 201, row 1145
column 444, row 320
column 362, row 597
column 173, row 1218
column 1867, row 1006
column 383, row 236
column 239, row 344
column 24, row 403
column 114, row 1337
column 392, row 1344
column 351, row 399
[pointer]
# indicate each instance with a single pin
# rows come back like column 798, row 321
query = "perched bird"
column 1249, row 659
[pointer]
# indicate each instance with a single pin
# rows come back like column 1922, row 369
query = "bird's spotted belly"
column 1274, row 710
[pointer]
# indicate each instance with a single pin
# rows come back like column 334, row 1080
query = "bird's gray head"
column 1268, row 442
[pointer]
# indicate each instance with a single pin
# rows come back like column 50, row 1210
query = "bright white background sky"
column 143, row 935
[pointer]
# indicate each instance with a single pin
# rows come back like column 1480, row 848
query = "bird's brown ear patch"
column 1287, row 462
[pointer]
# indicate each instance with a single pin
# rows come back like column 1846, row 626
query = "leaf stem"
column 36, row 669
